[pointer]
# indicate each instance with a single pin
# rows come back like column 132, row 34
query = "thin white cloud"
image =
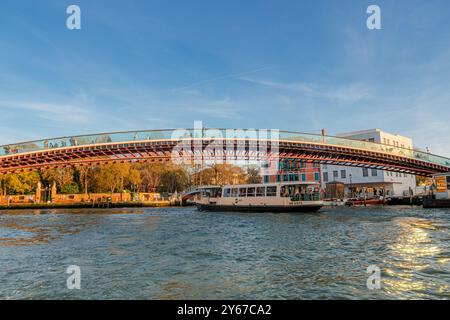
column 231, row 75
column 224, row 109
column 347, row 93
column 50, row 111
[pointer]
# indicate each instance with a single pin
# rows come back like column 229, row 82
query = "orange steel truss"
column 152, row 151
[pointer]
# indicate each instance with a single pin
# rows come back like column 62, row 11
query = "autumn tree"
column 253, row 175
column 20, row 183
column 174, row 179
column 133, row 179
column 82, row 176
column 63, row 177
column 221, row 174
column 151, row 174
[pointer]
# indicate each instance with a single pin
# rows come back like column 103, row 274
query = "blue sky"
column 290, row 65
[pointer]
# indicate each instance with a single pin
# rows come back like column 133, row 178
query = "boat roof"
column 286, row 183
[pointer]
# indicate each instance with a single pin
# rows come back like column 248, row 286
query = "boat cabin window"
column 271, row 191
column 234, row 192
column 206, row 193
column 261, row 191
column 250, row 192
column 242, row 192
column 300, row 192
column 212, row 192
column 217, row 193
column 227, row 192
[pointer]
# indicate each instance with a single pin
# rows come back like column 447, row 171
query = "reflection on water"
column 26, row 228
column 415, row 257
column 176, row 253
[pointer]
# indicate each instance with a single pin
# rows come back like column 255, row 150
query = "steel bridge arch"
column 161, row 145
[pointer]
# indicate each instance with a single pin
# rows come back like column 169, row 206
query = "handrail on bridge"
column 167, row 134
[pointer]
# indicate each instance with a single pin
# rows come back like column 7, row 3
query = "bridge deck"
column 158, row 145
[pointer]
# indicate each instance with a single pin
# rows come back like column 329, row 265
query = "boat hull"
column 273, row 209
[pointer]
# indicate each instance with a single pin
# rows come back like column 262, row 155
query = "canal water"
column 180, row 253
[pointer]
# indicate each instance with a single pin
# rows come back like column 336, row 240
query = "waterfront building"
column 293, row 170
column 373, row 182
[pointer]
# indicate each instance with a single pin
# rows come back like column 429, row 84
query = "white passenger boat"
column 271, row 197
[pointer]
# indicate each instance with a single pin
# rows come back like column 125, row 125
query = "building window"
column 343, row 174
column 325, row 176
column 316, row 176
column 365, row 172
column 371, row 140
column 303, row 176
column 266, row 179
column 335, row 174
column 374, row 172
column 278, row 178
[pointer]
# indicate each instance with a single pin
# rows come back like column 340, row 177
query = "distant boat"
column 271, row 197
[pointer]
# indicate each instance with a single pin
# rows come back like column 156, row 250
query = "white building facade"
column 373, row 182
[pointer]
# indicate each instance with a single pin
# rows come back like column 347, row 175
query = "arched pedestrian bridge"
column 212, row 144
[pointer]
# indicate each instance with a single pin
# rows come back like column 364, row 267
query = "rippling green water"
column 179, row 253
